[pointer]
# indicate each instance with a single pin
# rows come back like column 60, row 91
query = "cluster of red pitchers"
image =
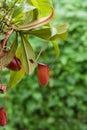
column 15, row 65
column 42, row 69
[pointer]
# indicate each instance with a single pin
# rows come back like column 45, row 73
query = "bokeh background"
column 62, row 105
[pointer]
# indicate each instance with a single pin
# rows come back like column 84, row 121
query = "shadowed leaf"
column 27, row 54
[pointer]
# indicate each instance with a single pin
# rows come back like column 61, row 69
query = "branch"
column 6, row 38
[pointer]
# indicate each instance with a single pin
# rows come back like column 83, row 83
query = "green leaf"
column 16, row 76
column 60, row 32
column 23, row 8
column 44, row 33
column 51, row 33
column 38, row 3
column 23, row 14
column 43, row 7
column 2, row 36
column 4, row 61
column 28, row 56
column 56, row 47
column 35, row 3
column 36, row 23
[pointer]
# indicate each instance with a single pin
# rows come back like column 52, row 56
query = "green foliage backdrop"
column 62, row 105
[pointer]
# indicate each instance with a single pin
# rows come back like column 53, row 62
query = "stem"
column 42, row 49
column 5, row 99
column 6, row 38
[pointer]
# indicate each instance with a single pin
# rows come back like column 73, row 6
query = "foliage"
column 22, row 19
column 62, row 105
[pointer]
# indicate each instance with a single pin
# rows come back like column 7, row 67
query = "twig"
column 6, row 38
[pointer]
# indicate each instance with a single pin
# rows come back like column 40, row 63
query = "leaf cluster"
column 24, row 19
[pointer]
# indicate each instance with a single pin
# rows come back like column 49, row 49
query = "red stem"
column 6, row 38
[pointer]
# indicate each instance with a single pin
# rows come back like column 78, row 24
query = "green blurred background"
column 62, row 105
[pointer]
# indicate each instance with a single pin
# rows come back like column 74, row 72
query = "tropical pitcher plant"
column 21, row 19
